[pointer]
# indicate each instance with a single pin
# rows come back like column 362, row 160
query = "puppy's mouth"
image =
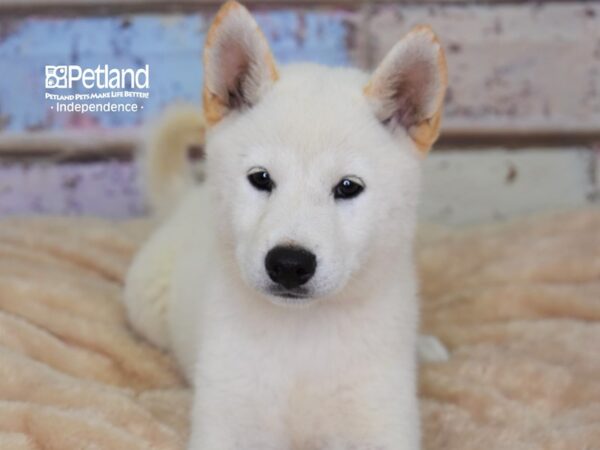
column 289, row 294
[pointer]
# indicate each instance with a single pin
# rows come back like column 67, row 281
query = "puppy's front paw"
column 430, row 349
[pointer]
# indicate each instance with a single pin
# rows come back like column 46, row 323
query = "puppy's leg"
column 431, row 349
column 224, row 419
column 382, row 424
column 147, row 288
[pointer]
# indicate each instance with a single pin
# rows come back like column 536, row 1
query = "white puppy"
column 284, row 283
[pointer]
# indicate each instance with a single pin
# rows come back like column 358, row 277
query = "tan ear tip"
column 424, row 30
column 227, row 8
column 222, row 17
column 231, row 4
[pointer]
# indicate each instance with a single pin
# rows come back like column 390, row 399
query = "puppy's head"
column 316, row 170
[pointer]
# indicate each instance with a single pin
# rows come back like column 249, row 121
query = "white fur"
column 336, row 370
column 165, row 168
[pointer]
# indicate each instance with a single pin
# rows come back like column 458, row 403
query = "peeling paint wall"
column 497, row 184
column 107, row 189
column 170, row 44
column 523, row 66
column 459, row 186
column 520, row 67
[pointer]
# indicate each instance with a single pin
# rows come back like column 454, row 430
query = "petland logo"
column 102, row 77
column 105, row 90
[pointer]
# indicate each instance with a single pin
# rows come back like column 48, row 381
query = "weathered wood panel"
column 527, row 67
column 459, row 186
column 64, row 144
column 107, row 189
column 495, row 184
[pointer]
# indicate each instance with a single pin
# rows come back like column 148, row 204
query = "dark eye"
column 261, row 180
column 348, row 188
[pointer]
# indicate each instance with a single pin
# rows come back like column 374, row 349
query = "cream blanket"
column 518, row 305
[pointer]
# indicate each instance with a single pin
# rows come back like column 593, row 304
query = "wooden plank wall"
column 523, row 73
column 528, row 68
column 522, row 125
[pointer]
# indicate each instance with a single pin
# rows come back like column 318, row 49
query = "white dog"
column 284, row 283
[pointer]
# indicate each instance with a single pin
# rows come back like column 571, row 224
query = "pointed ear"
column 238, row 65
column 407, row 89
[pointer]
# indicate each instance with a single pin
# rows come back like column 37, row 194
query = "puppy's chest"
column 314, row 382
column 317, row 388
column 342, row 415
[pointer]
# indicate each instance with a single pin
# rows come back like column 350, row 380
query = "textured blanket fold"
column 518, row 305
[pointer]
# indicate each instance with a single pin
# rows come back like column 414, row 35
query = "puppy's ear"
column 407, row 89
column 238, row 65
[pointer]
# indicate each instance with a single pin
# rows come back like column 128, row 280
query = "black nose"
column 290, row 266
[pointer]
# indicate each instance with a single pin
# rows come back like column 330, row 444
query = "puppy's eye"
column 348, row 188
column 261, row 180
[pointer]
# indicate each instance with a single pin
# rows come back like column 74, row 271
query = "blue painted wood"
column 170, row 44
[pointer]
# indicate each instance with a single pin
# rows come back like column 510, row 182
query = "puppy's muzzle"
column 290, row 267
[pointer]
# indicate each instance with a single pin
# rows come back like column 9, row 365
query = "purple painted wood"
column 107, row 189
